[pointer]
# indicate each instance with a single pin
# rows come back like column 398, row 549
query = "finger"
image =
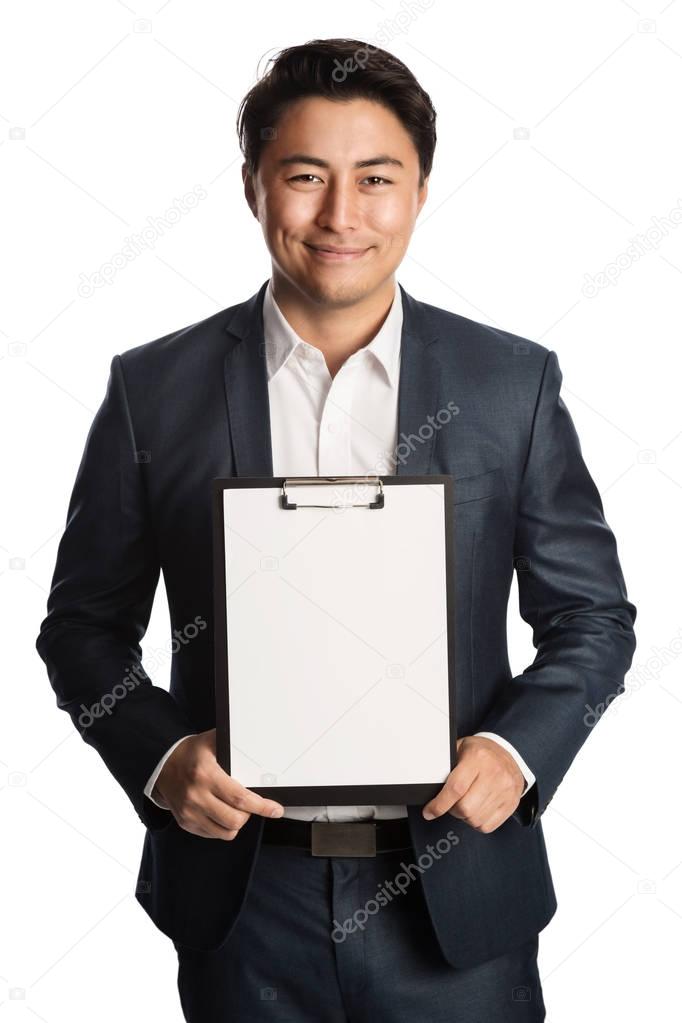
column 458, row 812
column 204, row 827
column 490, row 791
column 481, row 800
column 224, row 815
column 493, row 820
column 203, row 814
column 457, row 785
column 230, row 791
column 488, row 815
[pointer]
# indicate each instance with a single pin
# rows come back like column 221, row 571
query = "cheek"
column 393, row 218
column 282, row 218
column 292, row 208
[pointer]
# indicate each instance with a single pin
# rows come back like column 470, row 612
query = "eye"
column 371, row 177
column 298, row 177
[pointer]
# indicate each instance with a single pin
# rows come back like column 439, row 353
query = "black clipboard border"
column 331, row 795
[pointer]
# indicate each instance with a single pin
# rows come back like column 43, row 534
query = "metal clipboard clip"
column 301, row 481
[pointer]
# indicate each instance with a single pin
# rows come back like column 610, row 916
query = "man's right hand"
column 203, row 798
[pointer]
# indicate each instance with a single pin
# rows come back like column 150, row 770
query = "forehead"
column 344, row 131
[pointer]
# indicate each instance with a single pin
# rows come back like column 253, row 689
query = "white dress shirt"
column 341, row 426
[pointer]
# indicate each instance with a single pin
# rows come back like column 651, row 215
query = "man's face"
column 309, row 195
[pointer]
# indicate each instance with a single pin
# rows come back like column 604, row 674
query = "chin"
column 341, row 291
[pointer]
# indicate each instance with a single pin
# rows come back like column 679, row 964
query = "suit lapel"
column 246, row 390
column 248, row 406
column 418, row 392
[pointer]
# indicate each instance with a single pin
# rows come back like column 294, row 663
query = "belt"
column 339, row 838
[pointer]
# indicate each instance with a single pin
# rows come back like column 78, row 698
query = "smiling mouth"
column 335, row 255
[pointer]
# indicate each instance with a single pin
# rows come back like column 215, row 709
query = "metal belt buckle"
column 343, row 838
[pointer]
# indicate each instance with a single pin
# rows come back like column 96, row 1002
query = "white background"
column 103, row 126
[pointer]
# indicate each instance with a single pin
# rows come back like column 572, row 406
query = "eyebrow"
column 315, row 161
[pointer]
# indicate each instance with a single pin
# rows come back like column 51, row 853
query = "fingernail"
column 428, row 816
column 278, row 812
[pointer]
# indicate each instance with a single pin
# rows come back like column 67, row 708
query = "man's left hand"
column 483, row 789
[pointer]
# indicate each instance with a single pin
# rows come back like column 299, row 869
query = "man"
column 333, row 369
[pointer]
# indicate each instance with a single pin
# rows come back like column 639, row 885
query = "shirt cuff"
column 522, row 765
column 157, row 771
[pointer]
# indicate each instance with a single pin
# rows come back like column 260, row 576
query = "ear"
column 423, row 192
column 249, row 190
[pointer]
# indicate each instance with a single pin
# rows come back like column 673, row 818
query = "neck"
column 338, row 331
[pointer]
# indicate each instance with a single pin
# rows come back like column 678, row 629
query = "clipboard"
column 334, row 636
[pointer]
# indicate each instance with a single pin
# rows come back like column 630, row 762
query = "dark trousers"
column 313, row 944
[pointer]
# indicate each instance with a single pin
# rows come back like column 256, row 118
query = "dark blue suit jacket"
column 192, row 406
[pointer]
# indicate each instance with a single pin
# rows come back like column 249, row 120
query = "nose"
column 338, row 210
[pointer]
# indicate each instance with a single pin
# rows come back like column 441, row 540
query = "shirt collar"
column 281, row 339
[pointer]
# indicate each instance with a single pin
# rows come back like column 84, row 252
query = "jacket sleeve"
column 572, row 594
column 99, row 605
